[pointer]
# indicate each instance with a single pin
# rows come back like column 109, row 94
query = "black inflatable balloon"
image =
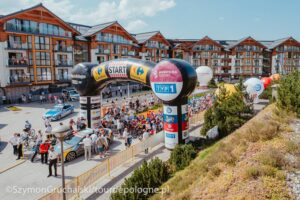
column 171, row 80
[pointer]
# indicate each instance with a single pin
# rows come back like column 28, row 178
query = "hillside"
column 251, row 163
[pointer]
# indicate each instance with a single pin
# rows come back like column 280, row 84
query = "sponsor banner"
column 83, row 100
column 185, row 134
column 99, row 73
column 171, row 139
column 185, row 125
column 170, row 110
column 117, row 70
column 96, row 99
column 139, row 73
column 170, row 118
column 167, row 91
column 166, row 81
column 170, row 127
column 95, row 118
column 184, row 109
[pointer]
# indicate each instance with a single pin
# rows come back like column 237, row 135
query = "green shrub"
column 181, row 156
column 289, row 93
column 144, row 182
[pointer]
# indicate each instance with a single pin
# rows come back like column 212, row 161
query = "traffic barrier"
column 76, row 185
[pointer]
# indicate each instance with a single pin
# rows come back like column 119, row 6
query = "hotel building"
column 38, row 50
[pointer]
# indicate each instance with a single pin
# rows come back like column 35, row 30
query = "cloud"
column 136, row 25
column 132, row 12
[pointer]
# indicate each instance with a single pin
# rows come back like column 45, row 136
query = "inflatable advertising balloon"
column 230, row 89
column 275, row 77
column 204, row 75
column 172, row 81
column 254, row 87
column 266, row 81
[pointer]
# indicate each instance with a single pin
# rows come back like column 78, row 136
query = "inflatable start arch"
column 171, row 80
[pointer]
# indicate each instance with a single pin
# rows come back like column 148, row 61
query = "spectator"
column 94, row 141
column 44, row 147
column 14, row 142
column 87, row 143
column 52, row 161
column 19, row 146
column 36, row 148
column 145, row 140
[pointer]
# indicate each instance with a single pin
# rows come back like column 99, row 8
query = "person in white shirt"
column 125, row 136
column 87, row 143
column 52, row 156
column 94, row 145
column 145, row 140
column 14, row 142
column 46, row 122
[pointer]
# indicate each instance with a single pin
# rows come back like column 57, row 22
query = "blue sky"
column 191, row 19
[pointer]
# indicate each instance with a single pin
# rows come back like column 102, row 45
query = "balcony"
column 17, row 45
column 63, row 63
column 113, row 40
column 19, row 80
column 63, row 48
column 63, row 78
column 103, row 51
column 131, row 53
column 124, row 53
column 14, row 62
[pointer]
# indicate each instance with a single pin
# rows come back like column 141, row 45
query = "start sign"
column 166, row 81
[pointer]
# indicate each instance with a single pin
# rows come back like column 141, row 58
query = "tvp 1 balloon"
column 266, row 81
column 204, row 75
column 254, row 87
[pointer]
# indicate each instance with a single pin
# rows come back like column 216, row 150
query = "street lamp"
column 60, row 132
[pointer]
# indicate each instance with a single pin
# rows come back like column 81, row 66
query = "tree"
column 143, row 181
column 229, row 112
column 289, row 93
column 212, row 83
column 181, row 156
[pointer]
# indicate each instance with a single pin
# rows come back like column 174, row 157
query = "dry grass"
column 248, row 164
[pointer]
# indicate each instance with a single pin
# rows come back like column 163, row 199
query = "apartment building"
column 36, row 50
column 153, row 46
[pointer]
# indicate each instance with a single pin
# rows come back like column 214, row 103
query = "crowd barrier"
column 76, row 185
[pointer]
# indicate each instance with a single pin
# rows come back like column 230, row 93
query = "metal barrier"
column 74, row 186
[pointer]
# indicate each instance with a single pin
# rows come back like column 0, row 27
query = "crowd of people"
column 124, row 121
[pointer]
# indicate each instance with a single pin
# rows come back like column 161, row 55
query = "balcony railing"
column 112, row 40
column 63, row 63
column 131, row 53
column 17, row 45
column 17, row 79
column 103, row 51
column 63, row 78
column 14, row 62
column 62, row 48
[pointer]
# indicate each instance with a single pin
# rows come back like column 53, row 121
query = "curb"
column 12, row 166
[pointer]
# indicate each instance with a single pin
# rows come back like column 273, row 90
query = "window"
column 17, row 76
column 62, row 60
column 17, row 59
column 42, row 43
column 31, row 71
column 44, row 74
column 248, row 54
column 62, row 74
column 100, row 59
column 42, row 58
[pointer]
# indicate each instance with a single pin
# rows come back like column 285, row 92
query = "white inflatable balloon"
column 204, row 75
column 254, row 87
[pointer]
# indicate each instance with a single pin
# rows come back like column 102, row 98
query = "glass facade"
column 28, row 26
column 108, row 37
column 44, row 74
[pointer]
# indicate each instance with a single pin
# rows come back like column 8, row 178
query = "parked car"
column 59, row 111
column 73, row 146
column 72, row 94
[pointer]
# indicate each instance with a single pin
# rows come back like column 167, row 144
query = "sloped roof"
column 208, row 38
column 97, row 28
column 242, row 40
column 276, row 43
column 36, row 6
column 83, row 28
column 143, row 37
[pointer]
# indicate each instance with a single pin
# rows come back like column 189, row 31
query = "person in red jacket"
column 44, row 147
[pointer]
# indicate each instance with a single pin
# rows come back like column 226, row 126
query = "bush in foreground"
column 144, row 182
column 181, row 156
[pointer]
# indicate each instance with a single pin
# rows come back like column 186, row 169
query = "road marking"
column 12, row 166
